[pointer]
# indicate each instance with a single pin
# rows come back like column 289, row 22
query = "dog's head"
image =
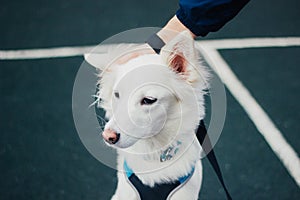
column 151, row 98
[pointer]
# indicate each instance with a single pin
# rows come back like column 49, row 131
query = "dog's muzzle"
column 110, row 136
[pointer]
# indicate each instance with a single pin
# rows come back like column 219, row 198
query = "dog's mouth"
column 118, row 140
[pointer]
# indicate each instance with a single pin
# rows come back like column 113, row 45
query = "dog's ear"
column 180, row 55
column 98, row 60
column 104, row 56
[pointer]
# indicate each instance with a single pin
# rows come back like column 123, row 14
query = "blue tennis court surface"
column 41, row 155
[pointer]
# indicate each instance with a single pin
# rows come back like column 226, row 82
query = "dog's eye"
column 117, row 95
column 148, row 100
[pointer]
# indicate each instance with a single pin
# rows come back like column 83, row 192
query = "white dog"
column 154, row 103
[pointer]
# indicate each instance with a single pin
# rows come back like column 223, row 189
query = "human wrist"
column 171, row 29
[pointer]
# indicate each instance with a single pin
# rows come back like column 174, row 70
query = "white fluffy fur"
column 142, row 155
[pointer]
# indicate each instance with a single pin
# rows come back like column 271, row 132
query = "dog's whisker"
column 93, row 103
column 101, row 121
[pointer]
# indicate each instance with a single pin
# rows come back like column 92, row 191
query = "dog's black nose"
column 114, row 139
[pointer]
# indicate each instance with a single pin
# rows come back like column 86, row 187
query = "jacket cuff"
column 193, row 27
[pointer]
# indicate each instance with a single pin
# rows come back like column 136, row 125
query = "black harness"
column 159, row 191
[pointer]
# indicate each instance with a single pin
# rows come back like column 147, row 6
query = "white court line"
column 243, row 43
column 259, row 117
column 44, row 53
column 78, row 51
column 209, row 49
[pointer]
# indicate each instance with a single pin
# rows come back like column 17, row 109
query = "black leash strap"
column 207, row 147
column 157, row 43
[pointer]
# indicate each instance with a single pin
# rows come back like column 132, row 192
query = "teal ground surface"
column 41, row 155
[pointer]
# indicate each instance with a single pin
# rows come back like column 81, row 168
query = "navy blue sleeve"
column 204, row 16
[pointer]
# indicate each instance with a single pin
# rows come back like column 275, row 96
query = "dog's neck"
column 164, row 165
